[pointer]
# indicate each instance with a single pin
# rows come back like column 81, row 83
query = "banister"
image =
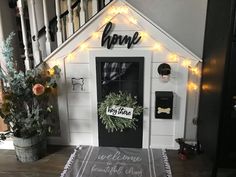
column 53, row 22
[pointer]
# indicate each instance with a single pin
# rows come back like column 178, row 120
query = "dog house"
column 120, row 49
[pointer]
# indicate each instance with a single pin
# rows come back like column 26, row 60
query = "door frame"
column 137, row 134
column 147, row 54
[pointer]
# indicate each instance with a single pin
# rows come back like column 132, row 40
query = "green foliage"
column 119, row 124
column 25, row 107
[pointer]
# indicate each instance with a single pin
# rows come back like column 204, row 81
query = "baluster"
column 86, row 9
column 46, row 23
column 76, row 17
column 82, row 13
column 35, row 40
column 20, row 6
column 64, row 28
column 94, row 7
column 59, row 33
column 70, row 18
column 106, row 2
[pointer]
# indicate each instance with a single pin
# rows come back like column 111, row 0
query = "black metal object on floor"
column 187, row 149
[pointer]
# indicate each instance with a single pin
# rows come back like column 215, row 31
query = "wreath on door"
column 113, row 123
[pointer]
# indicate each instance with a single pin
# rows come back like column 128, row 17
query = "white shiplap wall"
column 77, row 113
column 79, row 105
column 162, row 132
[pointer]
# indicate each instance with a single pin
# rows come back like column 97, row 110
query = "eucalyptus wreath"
column 113, row 123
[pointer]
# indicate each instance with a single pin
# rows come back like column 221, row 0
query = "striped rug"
column 89, row 161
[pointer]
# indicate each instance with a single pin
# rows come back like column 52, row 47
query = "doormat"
column 89, row 161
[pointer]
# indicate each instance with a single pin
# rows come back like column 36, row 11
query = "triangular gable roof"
column 155, row 32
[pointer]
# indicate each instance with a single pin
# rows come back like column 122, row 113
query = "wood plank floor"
column 52, row 165
column 195, row 166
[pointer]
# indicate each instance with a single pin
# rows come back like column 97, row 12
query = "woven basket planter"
column 30, row 149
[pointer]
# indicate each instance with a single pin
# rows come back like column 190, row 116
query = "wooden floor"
column 195, row 166
column 52, row 165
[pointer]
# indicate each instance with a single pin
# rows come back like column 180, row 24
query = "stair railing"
column 57, row 29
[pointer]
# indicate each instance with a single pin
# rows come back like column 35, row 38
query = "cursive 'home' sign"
column 110, row 41
column 120, row 111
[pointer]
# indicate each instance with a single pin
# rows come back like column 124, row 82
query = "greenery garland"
column 113, row 123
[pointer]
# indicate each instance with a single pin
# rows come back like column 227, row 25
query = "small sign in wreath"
column 119, row 111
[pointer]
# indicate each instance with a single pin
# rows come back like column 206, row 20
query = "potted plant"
column 26, row 105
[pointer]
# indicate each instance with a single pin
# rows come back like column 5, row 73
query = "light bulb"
column 158, row 47
column 205, row 87
column 70, row 57
column 83, row 46
column 144, row 35
column 133, row 20
column 107, row 19
column 195, row 71
column 172, row 57
column 125, row 10
column 119, row 9
column 186, row 63
column 112, row 10
column 51, row 71
column 192, row 86
column 95, row 35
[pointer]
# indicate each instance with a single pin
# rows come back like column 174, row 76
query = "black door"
column 124, row 74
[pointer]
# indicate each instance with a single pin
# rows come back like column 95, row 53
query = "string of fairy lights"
column 113, row 12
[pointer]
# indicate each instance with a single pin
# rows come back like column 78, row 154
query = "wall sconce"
column 164, row 70
column 77, row 81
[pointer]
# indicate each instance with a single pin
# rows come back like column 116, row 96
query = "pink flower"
column 38, row 89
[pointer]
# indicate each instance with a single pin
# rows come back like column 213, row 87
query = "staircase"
column 51, row 23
